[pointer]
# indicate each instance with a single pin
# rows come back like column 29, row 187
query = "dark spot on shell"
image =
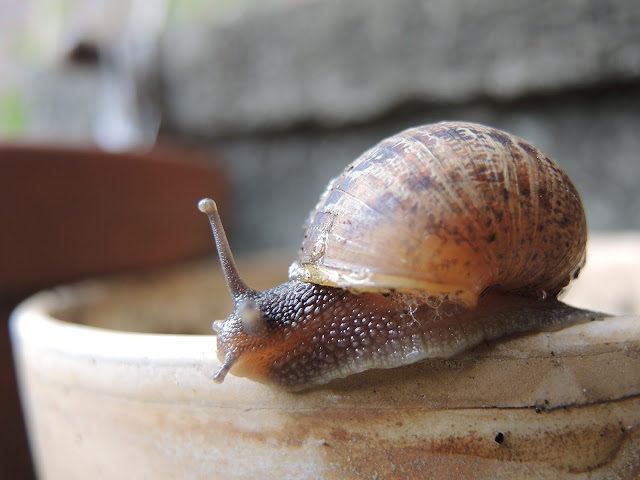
column 491, row 237
column 576, row 273
column 544, row 199
column 501, row 138
column 530, row 149
column 499, row 438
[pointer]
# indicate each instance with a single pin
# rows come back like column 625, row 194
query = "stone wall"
column 289, row 95
column 336, row 63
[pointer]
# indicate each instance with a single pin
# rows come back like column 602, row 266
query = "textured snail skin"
column 318, row 333
column 436, row 239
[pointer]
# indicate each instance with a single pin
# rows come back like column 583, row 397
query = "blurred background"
column 117, row 116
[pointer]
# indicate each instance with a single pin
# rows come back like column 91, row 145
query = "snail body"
column 434, row 240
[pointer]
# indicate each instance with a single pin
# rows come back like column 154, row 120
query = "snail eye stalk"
column 238, row 289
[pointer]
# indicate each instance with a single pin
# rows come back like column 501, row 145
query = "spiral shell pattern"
column 450, row 209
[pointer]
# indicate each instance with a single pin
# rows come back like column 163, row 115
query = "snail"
column 436, row 239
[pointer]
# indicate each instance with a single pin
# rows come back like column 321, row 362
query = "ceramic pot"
column 115, row 377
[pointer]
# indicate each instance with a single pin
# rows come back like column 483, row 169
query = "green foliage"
column 13, row 117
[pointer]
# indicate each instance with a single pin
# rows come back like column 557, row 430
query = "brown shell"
column 450, row 209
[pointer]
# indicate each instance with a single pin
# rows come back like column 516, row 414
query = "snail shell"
column 434, row 240
column 450, row 209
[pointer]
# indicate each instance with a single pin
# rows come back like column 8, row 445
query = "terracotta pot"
column 72, row 212
column 114, row 386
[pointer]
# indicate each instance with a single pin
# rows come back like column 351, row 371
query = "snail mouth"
column 253, row 365
column 258, row 359
column 248, row 365
column 366, row 280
